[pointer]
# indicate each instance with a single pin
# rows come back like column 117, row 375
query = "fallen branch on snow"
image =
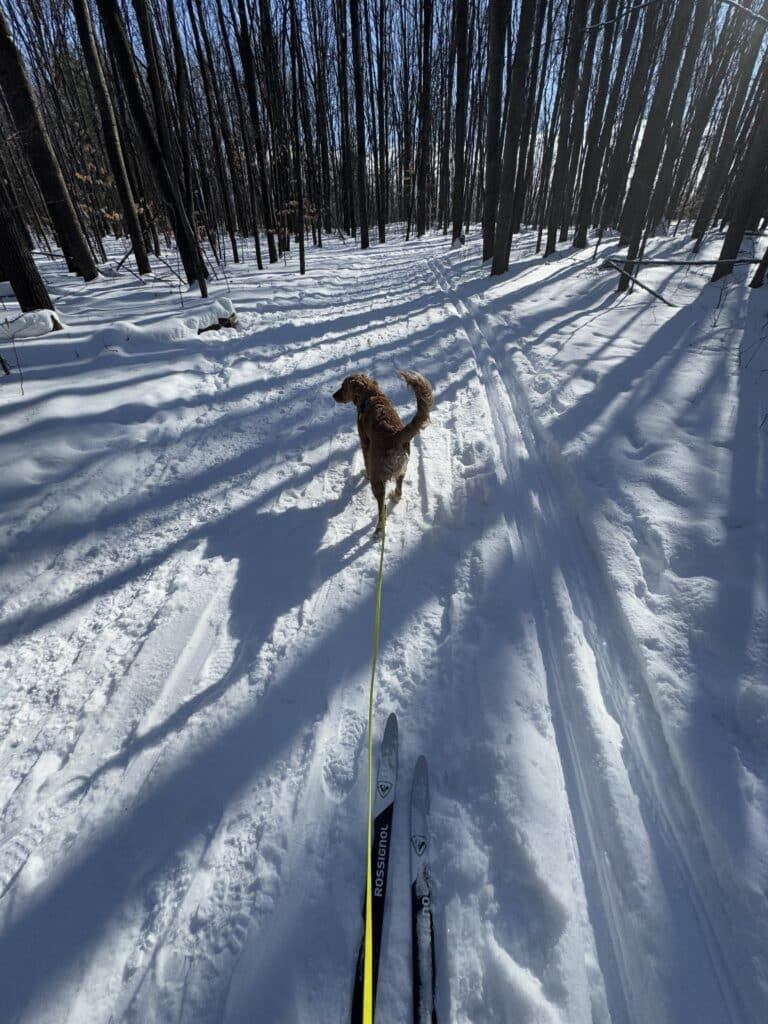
column 682, row 263
column 640, row 284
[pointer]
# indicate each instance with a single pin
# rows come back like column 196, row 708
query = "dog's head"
column 355, row 388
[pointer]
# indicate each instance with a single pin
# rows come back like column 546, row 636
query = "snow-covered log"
column 34, row 324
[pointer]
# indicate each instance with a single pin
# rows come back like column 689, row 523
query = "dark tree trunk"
column 249, row 72
column 716, row 177
column 381, row 101
column 244, row 134
column 638, row 198
column 674, row 118
column 700, row 113
column 460, row 138
column 445, row 154
column 498, row 18
column 18, row 264
column 111, row 136
column 217, row 116
column 593, row 159
column 425, row 120
column 759, row 276
column 637, row 92
column 750, row 186
column 297, row 134
column 32, row 131
column 357, row 63
column 576, row 136
column 321, row 45
column 568, row 91
column 272, row 94
column 520, row 84
column 347, row 185
column 524, row 176
column 186, row 238
column 367, row 54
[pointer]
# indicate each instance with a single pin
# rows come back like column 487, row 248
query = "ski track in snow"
column 188, row 628
column 618, row 768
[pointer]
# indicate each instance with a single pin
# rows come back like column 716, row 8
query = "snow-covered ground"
column 574, row 632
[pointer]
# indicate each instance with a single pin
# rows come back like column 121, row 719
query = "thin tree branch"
column 645, row 287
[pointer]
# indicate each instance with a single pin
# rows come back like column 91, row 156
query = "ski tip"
column 421, row 782
column 390, row 729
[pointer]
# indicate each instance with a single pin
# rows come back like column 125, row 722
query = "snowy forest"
column 327, row 118
column 384, row 511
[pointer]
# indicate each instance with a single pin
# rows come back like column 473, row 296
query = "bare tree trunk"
column 217, row 116
column 568, row 90
column 347, row 186
column 362, row 197
column 381, row 102
column 674, row 118
column 243, row 33
column 759, row 276
column 520, row 83
column 186, row 238
column 297, row 134
column 716, row 177
column 445, row 154
column 29, row 123
column 462, row 92
column 498, row 17
column 111, row 137
column 621, row 154
column 425, row 119
column 26, row 282
column 274, row 101
column 750, row 184
column 638, row 199
column 594, row 155
column 524, row 177
column 244, row 134
column 321, row 46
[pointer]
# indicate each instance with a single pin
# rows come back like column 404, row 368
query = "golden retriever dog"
column 386, row 443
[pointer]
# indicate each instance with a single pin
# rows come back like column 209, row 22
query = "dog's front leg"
column 365, row 446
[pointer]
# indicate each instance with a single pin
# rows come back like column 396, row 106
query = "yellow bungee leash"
column 368, row 955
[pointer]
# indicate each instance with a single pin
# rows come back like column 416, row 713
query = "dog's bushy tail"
column 424, row 402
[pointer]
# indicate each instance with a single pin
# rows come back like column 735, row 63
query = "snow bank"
column 34, row 324
column 125, row 335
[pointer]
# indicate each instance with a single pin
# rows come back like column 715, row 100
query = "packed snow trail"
column 188, row 612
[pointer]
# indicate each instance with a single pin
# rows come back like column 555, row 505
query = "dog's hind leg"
column 365, row 446
column 398, row 492
column 377, row 486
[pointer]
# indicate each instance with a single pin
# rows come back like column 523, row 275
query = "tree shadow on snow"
column 61, row 925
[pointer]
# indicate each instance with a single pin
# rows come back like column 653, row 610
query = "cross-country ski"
column 383, row 811
column 422, row 917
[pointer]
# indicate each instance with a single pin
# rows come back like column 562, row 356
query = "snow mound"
column 34, row 324
column 125, row 334
column 219, row 313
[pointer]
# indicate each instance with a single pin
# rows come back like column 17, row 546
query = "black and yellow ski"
column 422, row 924
column 381, row 843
